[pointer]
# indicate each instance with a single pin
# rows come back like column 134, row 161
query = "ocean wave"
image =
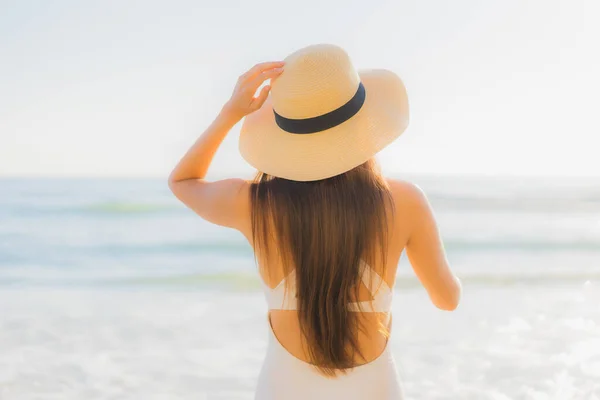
column 245, row 276
column 248, row 281
column 440, row 202
column 127, row 208
column 117, row 208
column 224, row 248
column 532, row 203
column 542, row 203
column 232, row 247
column 521, row 245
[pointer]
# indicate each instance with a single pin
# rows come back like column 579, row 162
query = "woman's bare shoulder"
column 409, row 204
column 405, row 193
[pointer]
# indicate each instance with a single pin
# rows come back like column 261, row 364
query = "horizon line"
column 247, row 175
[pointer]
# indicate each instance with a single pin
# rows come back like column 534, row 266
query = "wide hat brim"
column 320, row 155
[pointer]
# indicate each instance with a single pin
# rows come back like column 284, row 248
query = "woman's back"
column 410, row 209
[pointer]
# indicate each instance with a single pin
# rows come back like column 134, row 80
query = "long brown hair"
column 324, row 229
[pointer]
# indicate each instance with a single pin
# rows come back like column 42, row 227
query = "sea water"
column 111, row 289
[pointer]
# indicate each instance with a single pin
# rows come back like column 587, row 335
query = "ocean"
column 111, row 289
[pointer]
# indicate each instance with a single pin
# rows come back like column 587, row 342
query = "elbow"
column 171, row 185
column 171, row 182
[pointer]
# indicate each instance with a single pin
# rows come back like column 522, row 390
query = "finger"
column 259, row 68
column 254, row 83
column 261, row 98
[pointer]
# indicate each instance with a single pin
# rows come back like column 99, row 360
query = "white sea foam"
column 159, row 344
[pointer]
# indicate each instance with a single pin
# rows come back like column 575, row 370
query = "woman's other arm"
column 424, row 247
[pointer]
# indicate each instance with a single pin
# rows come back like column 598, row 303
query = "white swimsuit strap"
column 372, row 280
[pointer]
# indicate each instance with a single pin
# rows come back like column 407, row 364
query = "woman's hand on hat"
column 243, row 101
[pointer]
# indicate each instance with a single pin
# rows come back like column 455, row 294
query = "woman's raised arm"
column 221, row 202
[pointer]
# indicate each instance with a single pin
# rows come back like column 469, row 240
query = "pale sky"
column 123, row 88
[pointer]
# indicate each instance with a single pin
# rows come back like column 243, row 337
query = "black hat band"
column 325, row 121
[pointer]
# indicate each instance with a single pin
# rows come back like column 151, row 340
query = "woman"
column 326, row 228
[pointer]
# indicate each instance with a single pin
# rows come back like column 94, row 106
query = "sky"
column 123, row 88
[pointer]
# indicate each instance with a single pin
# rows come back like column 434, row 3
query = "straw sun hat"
column 323, row 117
